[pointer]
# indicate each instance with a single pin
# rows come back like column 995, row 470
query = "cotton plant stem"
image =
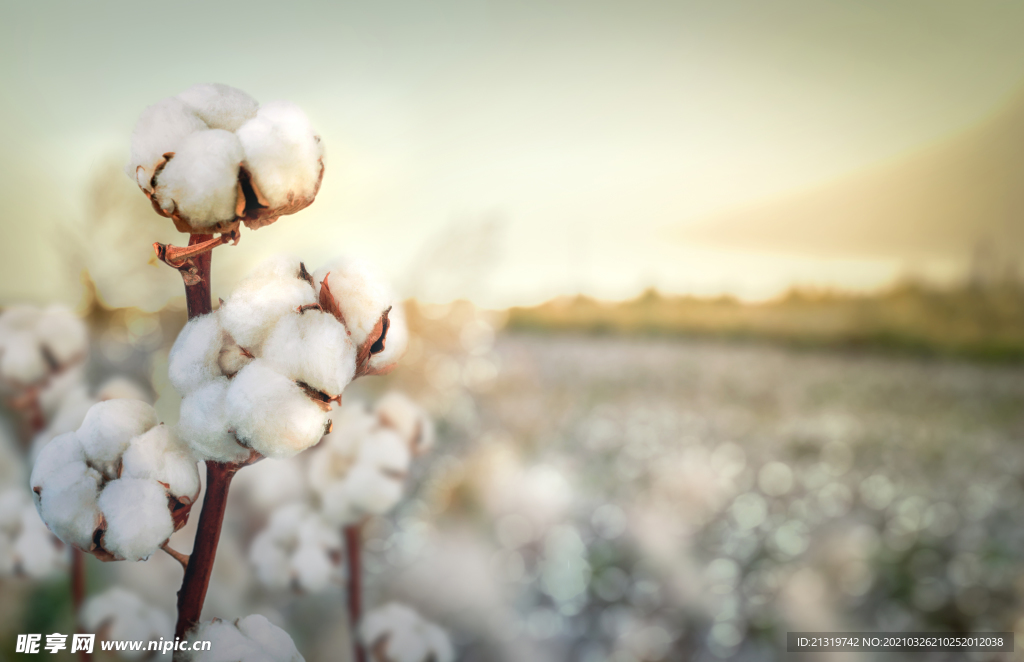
column 196, row 581
column 78, row 594
column 353, row 557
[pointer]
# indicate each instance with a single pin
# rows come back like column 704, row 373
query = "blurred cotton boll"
column 249, row 639
column 396, row 633
column 122, row 615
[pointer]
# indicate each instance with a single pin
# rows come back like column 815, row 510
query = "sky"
column 511, row 152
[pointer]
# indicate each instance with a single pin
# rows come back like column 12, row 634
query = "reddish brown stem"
column 353, row 557
column 197, row 296
column 200, row 563
column 78, row 593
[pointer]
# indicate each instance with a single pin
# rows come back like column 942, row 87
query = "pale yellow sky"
column 583, row 132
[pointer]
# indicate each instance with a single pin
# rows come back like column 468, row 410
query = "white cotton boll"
column 285, row 521
column 250, row 639
column 109, row 427
column 203, row 424
column 127, row 617
column 359, row 292
column 232, row 357
column 63, row 450
column 386, row 451
column 158, row 455
column 160, row 129
column 370, row 492
column 137, row 515
column 271, row 482
column 395, row 343
column 314, row 348
column 400, row 413
column 280, row 266
column 22, row 362
column 36, row 552
column 254, row 307
column 193, row 360
column 282, row 153
column 220, row 106
column 271, row 414
column 68, row 504
column 19, row 317
column 404, row 636
column 274, row 641
column 312, row 568
column 122, row 388
column 67, row 418
column 201, row 182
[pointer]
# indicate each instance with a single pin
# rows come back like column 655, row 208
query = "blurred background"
column 717, row 306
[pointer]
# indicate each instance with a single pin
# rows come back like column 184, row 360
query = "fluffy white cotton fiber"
column 250, row 639
column 359, row 292
column 37, row 345
column 157, row 454
column 194, row 357
column 220, row 106
column 254, row 307
column 313, row 348
column 160, row 129
column 297, row 548
column 67, row 502
column 271, row 414
column 109, row 427
column 201, row 181
column 62, row 333
column 126, row 617
column 137, row 517
column 282, row 153
column 398, row 412
column 203, row 424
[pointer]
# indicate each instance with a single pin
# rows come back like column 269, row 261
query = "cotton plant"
column 42, row 355
column 117, row 487
column 261, row 372
column 298, row 549
column 398, row 633
column 123, row 616
column 249, row 639
column 213, row 157
column 27, row 548
column 360, row 470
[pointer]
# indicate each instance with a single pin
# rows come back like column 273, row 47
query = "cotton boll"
column 193, row 360
column 232, row 357
column 396, row 342
column 282, row 154
column 270, row 560
column 161, row 128
column 338, row 451
column 280, row 266
column 59, row 386
column 158, row 455
column 67, row 418
column 220, row 106
column 254, row 307
column 109, row 427
column 63, row 450
column 271, row 414
column 137, row 516
column 200, row 184
column 63, row 334
column 203, row 424
column 251, row 639
column 314, row 348
column 312, row 568
column 126, row 617
column 359, row 292
column 396, row 633
column 68, row 504
column 270, row 482
column 408, row 419
column 22, row 362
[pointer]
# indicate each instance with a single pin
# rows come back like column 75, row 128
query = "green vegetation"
column 976, row 322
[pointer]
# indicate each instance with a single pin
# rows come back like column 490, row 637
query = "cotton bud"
column 356, row 295
column 408, row 419
column 339, row 450
column 211, row 158
column 119, row 486
column 396, row 633
column 249, row 639
column 27, row 548
column 297, row 549
column 374, row 483
column 36, row 344
column 122, row 615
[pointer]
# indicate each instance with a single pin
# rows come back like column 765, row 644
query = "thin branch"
column 353, row 557
column 176, row 555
